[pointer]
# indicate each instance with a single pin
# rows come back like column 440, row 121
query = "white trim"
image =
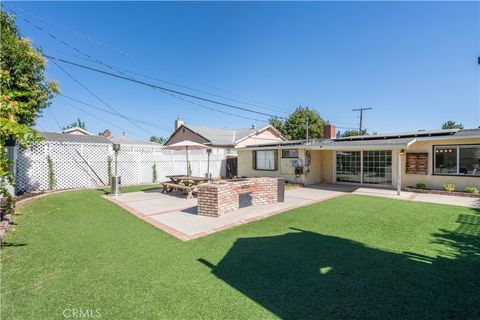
column 398, row 169
column 361, row 167
column 275, row 131
column 85, row 132
column 457, row 148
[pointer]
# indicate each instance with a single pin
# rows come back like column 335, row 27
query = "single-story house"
column 229, row 139
column 396, row 160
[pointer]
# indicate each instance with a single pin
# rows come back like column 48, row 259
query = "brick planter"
column 219, row 198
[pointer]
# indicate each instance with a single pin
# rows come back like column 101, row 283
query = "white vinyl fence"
column 85, row 165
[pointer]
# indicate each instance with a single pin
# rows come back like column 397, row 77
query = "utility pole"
column 361, row 118
column 306, row 120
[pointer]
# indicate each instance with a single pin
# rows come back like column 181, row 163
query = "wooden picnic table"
column 187, row 184
column 187, row 180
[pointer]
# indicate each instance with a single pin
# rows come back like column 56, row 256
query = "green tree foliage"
column 156, row 139
column 295, row 126
column 452, row 125
column 25, row 92
column 79, row 123
column 353, row 132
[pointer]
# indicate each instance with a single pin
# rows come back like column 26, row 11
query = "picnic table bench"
column 169, row 187
column 187, row 184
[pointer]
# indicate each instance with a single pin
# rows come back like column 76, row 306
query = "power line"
column 90, row 58
column 88, row 38
column 102, row 120
column 54, row 118
column 113, row 113
column 159, row 87
column 119, row 70
column 100, row 99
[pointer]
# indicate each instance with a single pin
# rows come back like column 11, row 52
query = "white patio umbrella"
column 186, row 145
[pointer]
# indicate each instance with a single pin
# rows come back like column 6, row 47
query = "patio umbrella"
column 186, row 145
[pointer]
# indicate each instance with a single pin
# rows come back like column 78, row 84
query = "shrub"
column 420, row 186
column 51, row 174
column 471, row 190
column 449, row 187
column 154, row 173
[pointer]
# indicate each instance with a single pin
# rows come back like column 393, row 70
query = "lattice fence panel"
column 85, row 165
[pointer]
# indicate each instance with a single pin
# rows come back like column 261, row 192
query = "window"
column 457, row 160
column 348, row 167
column 293, row 153
column 229, row 151
column 366, row 167
column 377, row 167
column 265, row 160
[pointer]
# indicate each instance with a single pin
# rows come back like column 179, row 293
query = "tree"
column 156, row 139
column 25, row 92
column 353, row 132
column 77, row 123
column 295, row 126
column 452, row 125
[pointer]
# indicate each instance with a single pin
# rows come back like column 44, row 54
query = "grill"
column 244, row 199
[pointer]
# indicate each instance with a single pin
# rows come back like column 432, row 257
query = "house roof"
column 395, row 140
column 347, row 144
column 128, row 140
column 219, row 136
column 411, row 134
column 65, row 137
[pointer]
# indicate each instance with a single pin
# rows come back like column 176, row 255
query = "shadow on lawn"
column 305, row 275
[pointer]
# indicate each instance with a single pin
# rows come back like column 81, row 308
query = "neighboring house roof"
column 225, row 137
column 128, row 140
column 397, row 140
column 76, row 129
column 65, row 137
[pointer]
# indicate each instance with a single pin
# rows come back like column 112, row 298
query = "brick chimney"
column 107, row 133
column 329, row 131
column 178, row 123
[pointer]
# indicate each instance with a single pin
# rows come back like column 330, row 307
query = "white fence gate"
column 85, row 165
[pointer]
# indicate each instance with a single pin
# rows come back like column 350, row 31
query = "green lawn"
column 350, row 257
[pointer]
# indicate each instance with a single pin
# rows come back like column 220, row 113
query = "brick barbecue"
column 218, row 198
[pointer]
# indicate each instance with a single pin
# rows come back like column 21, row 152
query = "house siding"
column 285, row 169
column 437, row 181
column 322, row 167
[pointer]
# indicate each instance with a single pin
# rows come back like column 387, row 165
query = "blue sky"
column 414, row 63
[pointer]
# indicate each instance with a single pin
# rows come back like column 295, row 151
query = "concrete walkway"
column 470, row 202
column 176, row 215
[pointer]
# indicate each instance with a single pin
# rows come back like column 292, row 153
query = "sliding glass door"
column 366, row 167
column 348, row 166
column 377, row 167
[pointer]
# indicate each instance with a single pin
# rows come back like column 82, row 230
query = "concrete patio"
column 176, row 215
